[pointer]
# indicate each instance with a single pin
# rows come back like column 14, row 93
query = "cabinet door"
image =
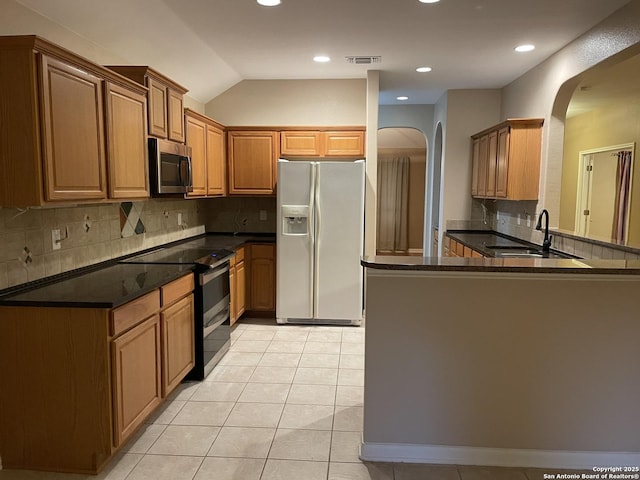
column 262, row 282
column 483, row 157
column 302, row 144
column 344, row 144
column 74, row 141
column 252, row 162
column 126, row 143
column 136, row 376
column 175, row 115
column 197, row 140
column 233, row 295
column 157, row 108
column 177, row 343
column 241, row 283
column 502, row 164
column 216, row 162
column 492, row 158
column 475, row 159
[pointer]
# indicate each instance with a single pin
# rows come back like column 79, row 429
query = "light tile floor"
column 285, row 403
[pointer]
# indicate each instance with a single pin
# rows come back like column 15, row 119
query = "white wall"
column 371, row 186
column 534, row 94
column 291, row 102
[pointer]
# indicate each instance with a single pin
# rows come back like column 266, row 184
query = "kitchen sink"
column 520, row 251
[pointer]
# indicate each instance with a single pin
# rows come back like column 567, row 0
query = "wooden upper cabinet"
column 216, row 162
column 344, row 144
column 197, row 140
column 126, row 143
column 322, row 143
column 175, row 107
column 301, row 143
column 70, row 128
column 157, row 108
column 252, row 162
column 72, row 121
column 206, row 139
column 508, row 160
column 166, row 112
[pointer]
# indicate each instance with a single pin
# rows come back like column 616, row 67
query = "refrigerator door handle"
column 316, row 233
column 312, row 238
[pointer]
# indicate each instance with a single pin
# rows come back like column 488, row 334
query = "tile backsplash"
column 89, row 234
column 240, row 214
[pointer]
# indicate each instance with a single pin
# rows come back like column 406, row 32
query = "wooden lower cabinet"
column 452, row 248
column 177, row 343
column 262, row 280
column 91, row 376
column 136, row 377
column 238, row 285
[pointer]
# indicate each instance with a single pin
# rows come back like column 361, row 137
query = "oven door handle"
column 206, row 277
column 216, row 321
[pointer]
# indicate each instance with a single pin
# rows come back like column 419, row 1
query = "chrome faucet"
column 546, row 243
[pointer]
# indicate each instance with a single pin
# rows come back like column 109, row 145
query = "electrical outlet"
column 263, row 215
column 518, row 219
column 179, row 218
column 528, row 220
column 55, row 239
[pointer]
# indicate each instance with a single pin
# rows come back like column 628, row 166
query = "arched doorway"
column 402, row 154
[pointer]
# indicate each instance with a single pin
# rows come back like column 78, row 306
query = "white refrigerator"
column 320, row 242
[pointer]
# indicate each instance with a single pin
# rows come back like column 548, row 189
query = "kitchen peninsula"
column 502, row 361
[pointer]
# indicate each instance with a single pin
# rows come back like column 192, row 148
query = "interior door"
column 339, row 241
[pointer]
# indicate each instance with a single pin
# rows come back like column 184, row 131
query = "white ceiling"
column 209, row 45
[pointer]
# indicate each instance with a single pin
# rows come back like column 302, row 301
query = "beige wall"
column 613, row 125
column 561, row 377
column 467, row 112
column 545, row 91
column 291, row 102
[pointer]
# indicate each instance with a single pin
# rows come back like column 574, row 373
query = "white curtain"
column 393, row 203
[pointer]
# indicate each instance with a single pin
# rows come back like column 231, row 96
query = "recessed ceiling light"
column 321, row 59
column 402, row 98
column 428, row 1
column 525, row 48
column 423, row 69
column 269, row 3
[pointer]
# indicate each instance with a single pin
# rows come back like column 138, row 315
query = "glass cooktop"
column 182, row 254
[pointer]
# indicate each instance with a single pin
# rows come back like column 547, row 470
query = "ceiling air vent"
column 364, row 60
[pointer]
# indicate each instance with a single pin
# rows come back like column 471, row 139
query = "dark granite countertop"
column 480, row 240
column 106, row 287
column 503, row 265
column 114, row 284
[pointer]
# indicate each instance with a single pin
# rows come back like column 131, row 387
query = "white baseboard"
column 498, row 457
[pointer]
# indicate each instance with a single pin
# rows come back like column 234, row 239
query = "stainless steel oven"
column 213, row 328
column 212, row 305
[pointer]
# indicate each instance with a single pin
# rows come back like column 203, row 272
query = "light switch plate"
column 179, row 218
column 263, row 215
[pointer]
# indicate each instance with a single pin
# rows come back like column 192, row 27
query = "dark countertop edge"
column 102, row 304
column 488, row 253
column 503, row 269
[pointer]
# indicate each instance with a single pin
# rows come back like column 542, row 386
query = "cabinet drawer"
column 125, row 317
column 177, row 289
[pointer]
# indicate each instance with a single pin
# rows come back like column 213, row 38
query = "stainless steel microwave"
column 169, row 167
